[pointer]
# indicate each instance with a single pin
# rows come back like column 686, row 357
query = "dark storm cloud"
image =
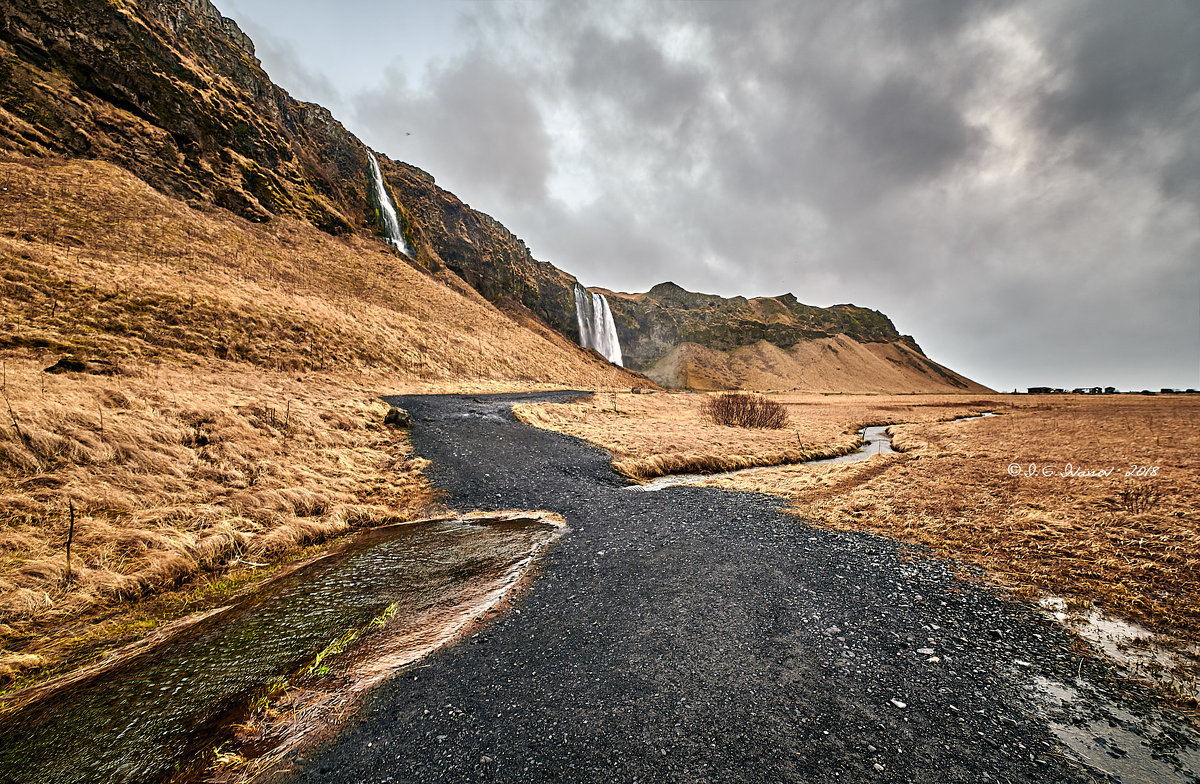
column 634, row 74
column 1124, row 68
column 1015, row 183
column 906, row 133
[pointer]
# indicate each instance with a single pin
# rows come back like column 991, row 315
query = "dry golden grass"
column 1070, row 535
column 660, row 434
column 950, row 489
column 97, row 262
column 244, row 418
column 173, row 473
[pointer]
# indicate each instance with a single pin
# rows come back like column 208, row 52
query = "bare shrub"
column 1134, row 498
column 741, row 409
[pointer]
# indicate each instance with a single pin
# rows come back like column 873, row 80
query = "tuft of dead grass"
column 743, row 409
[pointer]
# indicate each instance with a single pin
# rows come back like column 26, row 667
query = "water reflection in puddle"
column 1141, row 652
column 143, row 718
column 1105, row 737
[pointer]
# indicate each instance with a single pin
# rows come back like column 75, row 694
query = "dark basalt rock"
column 97, row 367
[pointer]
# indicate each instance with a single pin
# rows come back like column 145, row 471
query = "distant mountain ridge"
column 683, row 339
column 172, row 91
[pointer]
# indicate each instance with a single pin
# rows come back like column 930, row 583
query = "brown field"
column 1131, row 545
column 172, row 474
column 241, row 419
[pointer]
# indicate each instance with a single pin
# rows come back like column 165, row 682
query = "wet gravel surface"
column 701, row 635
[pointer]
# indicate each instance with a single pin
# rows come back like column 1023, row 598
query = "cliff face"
column 480, row 250
column 171, row 90
column 653, row 323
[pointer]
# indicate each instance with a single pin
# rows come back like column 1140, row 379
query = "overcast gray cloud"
column 1015, row 183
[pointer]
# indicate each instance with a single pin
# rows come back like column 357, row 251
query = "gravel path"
column 700, row 635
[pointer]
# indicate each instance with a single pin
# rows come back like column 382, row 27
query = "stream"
column 163, row 711
column 875, row 438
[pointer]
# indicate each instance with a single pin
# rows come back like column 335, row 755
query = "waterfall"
column 391, row 221
column 596, row 326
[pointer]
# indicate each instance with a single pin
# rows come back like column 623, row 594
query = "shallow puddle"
column 1141, row 652
column 1132, row 750
column 403, row 590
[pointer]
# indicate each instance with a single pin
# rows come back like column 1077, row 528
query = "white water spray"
column 596, row 326
column 391, row 221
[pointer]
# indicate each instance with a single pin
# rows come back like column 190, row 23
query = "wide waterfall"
column 391, row 221
column 596, row 326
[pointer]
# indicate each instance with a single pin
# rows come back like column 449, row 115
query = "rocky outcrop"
column 681, row 338
column 448, row 234
column 171, row 90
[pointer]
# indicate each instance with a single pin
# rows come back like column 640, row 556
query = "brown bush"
column 740, row 409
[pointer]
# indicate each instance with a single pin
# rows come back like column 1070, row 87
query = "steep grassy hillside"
column 97, row 262
column 220, row 402
column 172, row 92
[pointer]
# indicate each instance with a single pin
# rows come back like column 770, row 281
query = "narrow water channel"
column 876, row 441
column 160, row 712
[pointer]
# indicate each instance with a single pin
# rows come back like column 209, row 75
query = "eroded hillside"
column 703, row 341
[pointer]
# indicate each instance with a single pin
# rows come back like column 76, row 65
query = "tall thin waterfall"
column 596, row 326
column 391, row 221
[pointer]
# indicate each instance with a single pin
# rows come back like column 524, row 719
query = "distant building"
column 1110, row 390
column 1167, row 391
column 1038, row 391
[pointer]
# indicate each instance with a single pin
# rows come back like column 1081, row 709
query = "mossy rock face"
column 477, row 248
column 397, row 417
column 201, row 121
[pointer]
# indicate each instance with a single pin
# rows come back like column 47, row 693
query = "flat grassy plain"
column 224, row 415
column 661, row 434
column 1130, row 544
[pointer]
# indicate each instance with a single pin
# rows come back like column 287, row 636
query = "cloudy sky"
column 1016, row 184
